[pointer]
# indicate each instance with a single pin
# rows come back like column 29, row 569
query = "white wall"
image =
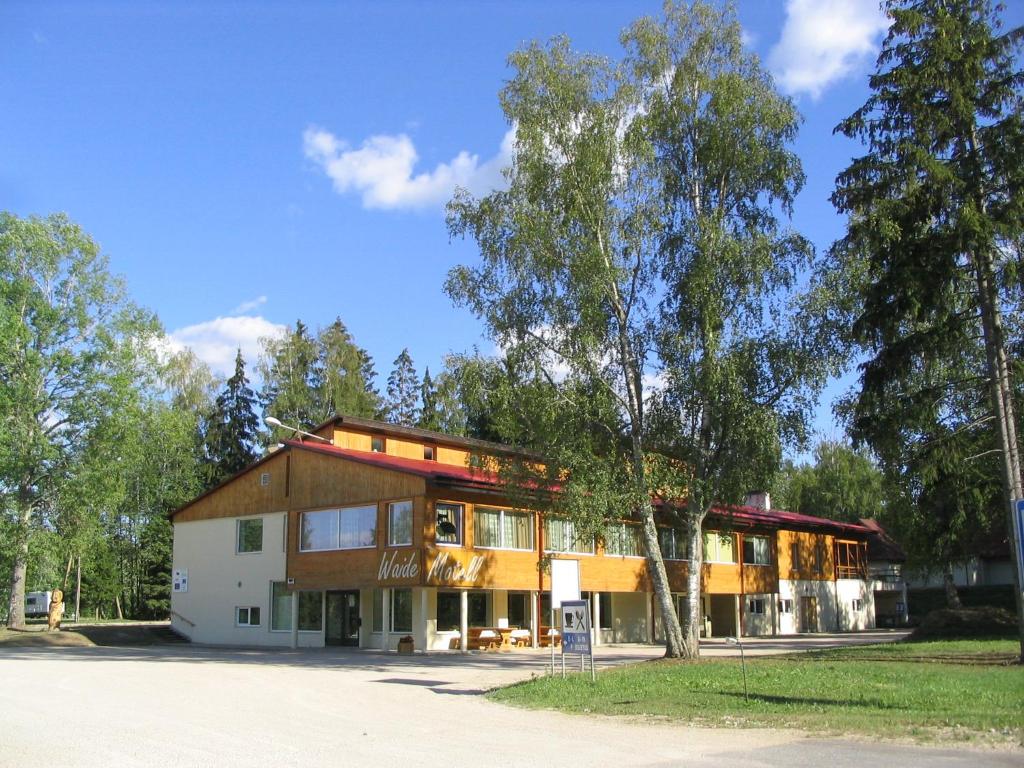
column 823, row 591
column 851, row 619
column 219, row 580
column 756, row 624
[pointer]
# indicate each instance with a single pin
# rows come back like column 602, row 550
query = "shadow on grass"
column 808, row 701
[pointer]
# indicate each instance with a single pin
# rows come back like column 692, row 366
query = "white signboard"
column 180, row 580
column 565, row 581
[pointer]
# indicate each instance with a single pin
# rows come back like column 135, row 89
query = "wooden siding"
column 243, row 495
column 807, row 544
column 403, row 447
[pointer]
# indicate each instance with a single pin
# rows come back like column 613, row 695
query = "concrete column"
column 534, row 623
column 736, row 608
column 775, row 614
column 295, row 618
column 385, row 624
column 595, row 617
column 464, row 620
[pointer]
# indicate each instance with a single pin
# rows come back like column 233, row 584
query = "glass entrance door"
column 343, row 618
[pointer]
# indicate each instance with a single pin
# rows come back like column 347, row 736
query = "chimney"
column 759, row 500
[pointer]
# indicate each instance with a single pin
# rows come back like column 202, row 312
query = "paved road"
column 189, row 706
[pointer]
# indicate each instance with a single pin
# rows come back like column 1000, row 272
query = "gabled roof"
column 431, row 470
column 429, row 436
column 880, row 546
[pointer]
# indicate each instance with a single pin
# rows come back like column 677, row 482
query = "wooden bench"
column 548, row 636
column 483, row 639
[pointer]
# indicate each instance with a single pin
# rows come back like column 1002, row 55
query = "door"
column 808, row 614
column 342, row 618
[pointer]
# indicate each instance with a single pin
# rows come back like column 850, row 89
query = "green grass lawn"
column 938, row 691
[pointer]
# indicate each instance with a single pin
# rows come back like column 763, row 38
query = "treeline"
column 105, row 431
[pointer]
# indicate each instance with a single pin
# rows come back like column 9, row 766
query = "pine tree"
column 403, row 391
column 342, row 376
column 232, row 431
column 430, row 417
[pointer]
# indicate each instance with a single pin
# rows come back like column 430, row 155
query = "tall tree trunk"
column 67, row 573
column 949, row 585
column 695, row 553
column 78, row 591
column 1001, row 395
column 675, row 646
column 117, row 605
column 19, row 569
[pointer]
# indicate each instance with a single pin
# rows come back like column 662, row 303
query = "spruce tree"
column 231, row 434
column 403, row 391
column 935, row 209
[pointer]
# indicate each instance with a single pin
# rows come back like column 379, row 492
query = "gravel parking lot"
column 191, row 706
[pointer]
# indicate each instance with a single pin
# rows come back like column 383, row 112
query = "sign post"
column 565, row 585
column 576, row 633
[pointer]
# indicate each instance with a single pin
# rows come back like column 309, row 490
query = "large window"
column 673, row 543
column 401, row 610
column 519, row 609
column 400, row 524
column 378, row 610
column 249, row 535
column 311, row 614
column 477, row 608
column 350, row 528
column 561, row 535
column 756, row 550
column 605, row 604
column 449, row 524
column 623, row 539
column 448, row 611
column 719, row 547
column 502, row 528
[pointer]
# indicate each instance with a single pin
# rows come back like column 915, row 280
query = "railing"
column 187, row 621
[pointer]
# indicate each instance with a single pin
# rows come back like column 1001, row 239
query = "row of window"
column 356, row 528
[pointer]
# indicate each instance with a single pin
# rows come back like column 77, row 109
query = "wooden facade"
column 371, row 463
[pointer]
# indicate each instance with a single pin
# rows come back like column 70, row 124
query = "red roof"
column 431, row 470
column 776, row 516
column 428, row 469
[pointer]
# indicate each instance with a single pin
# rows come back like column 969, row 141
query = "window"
column 605, row 604
column 350, row 528
column 794, row 556
column 819, row 557
column 755, row 605
column 248, row 616
column 622, row 539
column 502, row 528
column 719, row 547
column 561, row 535
column 858, row 604
column 449, row 524
column 378, row 610
column 399, row 523
column 249, row 535
column 756, row 550
column 280, row 607
column 519, row 609
column 428, row 453
column 401, row 610
column 673, row 543
column 310, row 609
column 477, row 607
column 785, row 606
column 448, row 611
column 377, row 444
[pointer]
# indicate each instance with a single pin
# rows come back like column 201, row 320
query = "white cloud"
column 216, row 341
column 823, row 40
column 382, row 169
column 248, row 306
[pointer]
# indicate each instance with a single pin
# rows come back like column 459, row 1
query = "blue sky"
column 244, row 165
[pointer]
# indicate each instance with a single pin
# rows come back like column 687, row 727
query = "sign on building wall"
column 576, row 627
column 180, row 580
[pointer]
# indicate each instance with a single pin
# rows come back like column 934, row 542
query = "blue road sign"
column 575, row 626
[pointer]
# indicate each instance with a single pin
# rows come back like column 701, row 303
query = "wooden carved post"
column 56, row 609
